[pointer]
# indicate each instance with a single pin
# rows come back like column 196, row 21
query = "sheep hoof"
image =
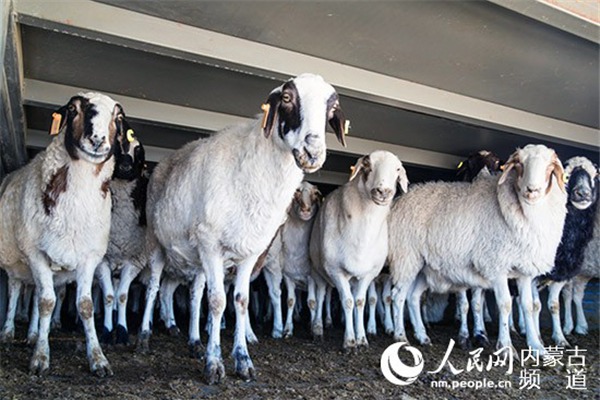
column 481, row 340
column 464, row 343
column 328, row 323
column 349, row 346
column 362, row 343
column 424, row 341
column 143, row 342
column 32, row 340
column 102, row 371
column 251, row 338
column 122, row 335
column 7, row 336
column 401, row 338
column 317, row 331
column 174, row 331
column 106, row 337
column 214, row 371
column 196, row 349
column 40, row 363
column 288, row 333
column 244, row 369
column 277, row 333
column 581, row 330
column 562, row 342
column 511, row 348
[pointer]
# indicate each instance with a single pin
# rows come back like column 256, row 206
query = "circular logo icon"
column 395, row 370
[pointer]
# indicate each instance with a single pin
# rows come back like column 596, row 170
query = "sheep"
column 578, row 231
column 288, row 257
column 125, row 255
column 590, row 268
column 218, row 201
column 56, row 215
column 481, row 162
column 349, row 238
column 447, row 235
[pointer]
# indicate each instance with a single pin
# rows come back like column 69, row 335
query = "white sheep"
column 288, row 257
column 461, row 235
column 218, row 201
column 349, row 240
column 55, row 215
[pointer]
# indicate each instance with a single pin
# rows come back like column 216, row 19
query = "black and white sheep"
column 125, row 256
column 582, row 193
column 218, row 202
column 349, row 240
column 501, row 227
column 55, row 215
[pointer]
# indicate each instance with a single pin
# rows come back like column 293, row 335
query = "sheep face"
column 380, row 172
column 129, row 155
column 581, row 176
column 482, row 161
column 534, row 166
column 307, row 200
column 91, row 121
column 298, row 111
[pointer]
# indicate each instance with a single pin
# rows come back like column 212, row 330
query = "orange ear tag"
column 55, row 127
column 265, row 107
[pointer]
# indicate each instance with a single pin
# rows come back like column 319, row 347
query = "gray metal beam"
column 126, row 28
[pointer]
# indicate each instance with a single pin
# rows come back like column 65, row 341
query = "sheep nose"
column 97, row 141
column 381, row 193
column 582, row 193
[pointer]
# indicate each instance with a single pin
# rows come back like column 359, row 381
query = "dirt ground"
column 295, row 368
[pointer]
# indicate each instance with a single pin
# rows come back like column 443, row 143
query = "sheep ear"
column 270, row 108
column 339, row 124
column 59, row 119
column 507, row 167
column 558, row 172
column 356, row 168
column 403, row 180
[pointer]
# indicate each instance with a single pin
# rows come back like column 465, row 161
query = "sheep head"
column 581, row 176
column 482, row 161
column 534, row 166
column 299, row 110
column 307, row 201
column 91, row 122
column 130, row 159
column 381, row 171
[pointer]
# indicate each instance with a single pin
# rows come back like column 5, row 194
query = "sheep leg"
column 156, row 264
column 34, row 321
column 347, row 300
column 244, row 367
column 578, row 293
column 372, row 296
column 414, row 309
column 165, row 298
column 479, row 331
column 463, row 305
column 567, row 296
column 128, row 274
column 14, row 291
column 487, row 317
column 24, row 303
column 98, row 363
column 250, row 335
column 387, row 306
column 521, row 322
column 359, row 301
column 55, row 322
column 380, row 308
column 42, row 274
column 537, row 308
column 504, row 302
column 554, row 306
column 212, row 265
column 104, row 276
column 291, row 303
column 328, row 319
column 524, row 284
column 399, row 294
column 196, row 292
column 273, row 278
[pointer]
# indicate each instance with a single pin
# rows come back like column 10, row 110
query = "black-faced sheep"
column 55, row 215
column 217, row 202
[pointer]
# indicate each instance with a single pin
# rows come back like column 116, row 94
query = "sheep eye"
column 286, row 98
column 71, row 108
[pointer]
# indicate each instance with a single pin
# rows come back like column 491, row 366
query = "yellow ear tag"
column 352, row 169
column 346, row 126
column 265, row 107
column 55, row 127
column 565, row 178
column 460, row 165
column 130, row 137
